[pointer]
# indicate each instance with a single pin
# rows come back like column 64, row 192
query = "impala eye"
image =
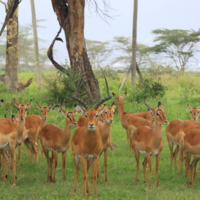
column 68, row 116
column 190, row 111
column 86, row 116
column 106, row 112
column 157, row 114
column 25, row 109
column 96, row 116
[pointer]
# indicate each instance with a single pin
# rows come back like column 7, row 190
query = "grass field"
column 32, row 181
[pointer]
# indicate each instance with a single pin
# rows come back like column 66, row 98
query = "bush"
column 147, row 89
column 61, row 87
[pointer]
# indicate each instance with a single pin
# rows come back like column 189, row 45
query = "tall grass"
column 32, row 181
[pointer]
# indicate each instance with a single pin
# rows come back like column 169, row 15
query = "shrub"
column 147, row 89
column 61, row 87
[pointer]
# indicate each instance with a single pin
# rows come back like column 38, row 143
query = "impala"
column 149, row 142
column 11, row 130
column 172, row 133
column 187, row 126
column 107, row 117
column 192, row 147
column 54, row 139
column 87, row 142
column 33, row 124
column 194, row 112
column 131, row 121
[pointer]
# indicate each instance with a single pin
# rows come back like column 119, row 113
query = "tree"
column 134, row 42
column 98, row 52
column 36, row 46
column 178, row 45
column 10, row 78
column 70, row 15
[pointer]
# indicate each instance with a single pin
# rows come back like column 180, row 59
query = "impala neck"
column 21, row 126
column 158, row 129
column 120, row 109
column 106, row 130
column 67, row 130
column 44, row 122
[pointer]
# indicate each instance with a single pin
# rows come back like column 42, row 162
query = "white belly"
column 4, row 145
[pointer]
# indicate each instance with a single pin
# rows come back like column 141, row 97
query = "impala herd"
column 92, row 138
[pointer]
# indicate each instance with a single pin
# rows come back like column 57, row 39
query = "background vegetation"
column 32, row 181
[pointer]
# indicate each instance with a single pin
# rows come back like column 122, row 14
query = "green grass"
column 32, row 181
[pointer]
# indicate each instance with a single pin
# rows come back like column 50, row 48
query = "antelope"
column 87, row 142
column 192, row 147
column 149, row 141
column 107, row 117
column 194, row 112
column 172, row 131
column 131, row 121
column 54, row 139
column 186, row 127
column 11, row 131
column 33, row 124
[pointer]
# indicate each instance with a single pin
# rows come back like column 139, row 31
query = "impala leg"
column 157, row 169
column 85, row 177
column 63, row 164
column 187, row 165
column 181, row 158
column 0, row 161
column 19, row 156
column 6, row 165
column 174, row 156
column 106, row 165
column 148, row 157
column 193, row 170
column 144, row 169
column 171, row 145
column 13, row 158
column 77, row 163
column 46, row 153
column 137, row 155
column 94, row 174
column 55, row 161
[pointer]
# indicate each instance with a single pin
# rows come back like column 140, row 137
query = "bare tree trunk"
column 70, row 14
column 134, row 42
column 12, row 55
column 36, row 46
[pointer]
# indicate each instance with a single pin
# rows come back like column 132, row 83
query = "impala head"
column 22, row 109
column 45, row 110
column 108, row 114
column 194, row 112
column 158, row 114
column 14, row 119
column 91, row 114
column 118, row 98
column 1, row 101
column 70, row 117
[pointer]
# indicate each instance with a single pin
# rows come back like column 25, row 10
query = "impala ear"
column 150, row 109
column 62, row 111
column 189, row 107
column 79, row 109
column 100, row 112
column 39, row 105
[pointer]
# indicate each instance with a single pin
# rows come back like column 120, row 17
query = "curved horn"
column 106, row 98
column 78, row 99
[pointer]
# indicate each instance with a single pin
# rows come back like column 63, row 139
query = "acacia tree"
column 98, row 52
column 178, row 45
column 70, row 15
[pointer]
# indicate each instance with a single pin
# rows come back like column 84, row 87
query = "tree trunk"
column 12, row 55
column 36, row 46
column 134, row 42
column 70, row 14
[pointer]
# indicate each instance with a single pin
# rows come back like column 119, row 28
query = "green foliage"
column 178, row 45
column 61, row 87
column 147, row 89
column 106, row 72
